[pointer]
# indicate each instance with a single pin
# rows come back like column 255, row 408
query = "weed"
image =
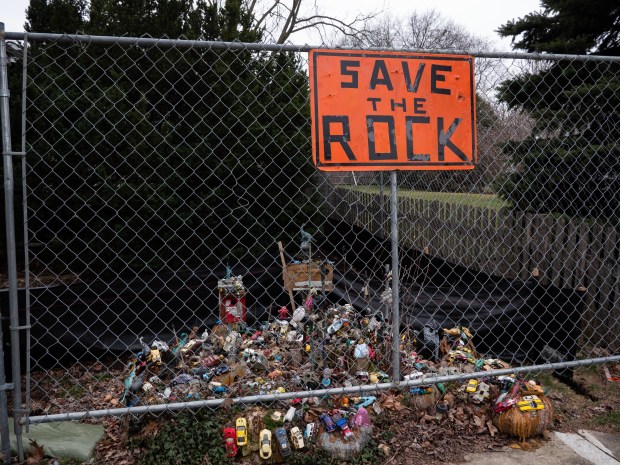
column 270, row 423
column 103, row 377
column 611, row 419
column 186, row 440
column 369, row 456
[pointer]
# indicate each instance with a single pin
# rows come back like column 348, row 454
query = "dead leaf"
column 150, row 429
column 492, row 429
column 35, row 455
column 377, row 408
column 384, row 448
column 392, row 402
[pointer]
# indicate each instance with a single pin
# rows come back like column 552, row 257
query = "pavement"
column 580, row 448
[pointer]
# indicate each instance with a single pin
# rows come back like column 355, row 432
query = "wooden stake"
column 290, row 291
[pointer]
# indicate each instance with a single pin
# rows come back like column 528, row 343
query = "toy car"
column 242, row 431
column 472, row 386
column 297, row 438
column 230, row 442
column 506, row 382
column 414, row 375
column 285, row 449
column 221, row 370
column 265, row 444
column 310, row 431
column 365, row 402
column 420, row 390
column 530, row 403
column 481, row 394
column 343, row 425
column 504, row 405
column 328, row 423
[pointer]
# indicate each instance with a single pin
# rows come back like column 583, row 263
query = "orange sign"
column 392, row 110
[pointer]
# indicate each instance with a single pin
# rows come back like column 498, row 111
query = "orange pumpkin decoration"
column 525, row 424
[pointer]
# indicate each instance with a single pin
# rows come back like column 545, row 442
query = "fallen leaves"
column 151, row 428
column 35, row 454
column 384, row 448
column 492, row 429
column 392, row 402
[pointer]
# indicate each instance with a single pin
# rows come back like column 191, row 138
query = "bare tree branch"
column 279, row 19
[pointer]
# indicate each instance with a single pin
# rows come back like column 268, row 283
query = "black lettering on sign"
column 396, row 105
column 374, row 101
column 436, row 77
column 410, row 121
column 417, row 106
column 345, row 71
column 342, row 139
column 372, row 149
column 385, row 80
column 443, row 139
column 413, row 87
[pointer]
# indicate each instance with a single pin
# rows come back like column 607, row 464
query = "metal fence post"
column 395, row 280
column 10, row 241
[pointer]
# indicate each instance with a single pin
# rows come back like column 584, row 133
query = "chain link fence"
column 181, row 249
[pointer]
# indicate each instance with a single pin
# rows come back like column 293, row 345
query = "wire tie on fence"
column 6, row 386
column 17, row 328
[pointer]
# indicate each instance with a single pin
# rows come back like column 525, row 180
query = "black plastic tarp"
column 511, row 319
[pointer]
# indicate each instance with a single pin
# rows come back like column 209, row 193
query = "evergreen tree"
column 571, row 163
column 151, row 158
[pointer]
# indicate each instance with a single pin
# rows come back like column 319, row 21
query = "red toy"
column 283, row 313
column 230, row 441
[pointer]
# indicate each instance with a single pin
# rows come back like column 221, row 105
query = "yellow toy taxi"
column 472, row 385
column 241, row 427
column 530, row 403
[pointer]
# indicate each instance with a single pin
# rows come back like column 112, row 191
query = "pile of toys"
column 512, row 401
column 317, row 346
column 290, row 432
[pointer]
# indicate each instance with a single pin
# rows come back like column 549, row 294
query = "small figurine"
column 326, row 381
column 283, row 313
column 361, row 418
column 290, row 414
column 306, row 241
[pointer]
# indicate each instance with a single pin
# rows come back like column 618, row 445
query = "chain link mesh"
column 182, row 246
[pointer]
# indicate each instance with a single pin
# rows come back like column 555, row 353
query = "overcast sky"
column 480, row 17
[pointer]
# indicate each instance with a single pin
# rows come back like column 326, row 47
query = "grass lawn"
column 473, row 200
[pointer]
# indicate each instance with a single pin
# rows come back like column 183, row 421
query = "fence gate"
column 181, row 249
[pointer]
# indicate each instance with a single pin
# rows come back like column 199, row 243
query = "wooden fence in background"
column 567, row 253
